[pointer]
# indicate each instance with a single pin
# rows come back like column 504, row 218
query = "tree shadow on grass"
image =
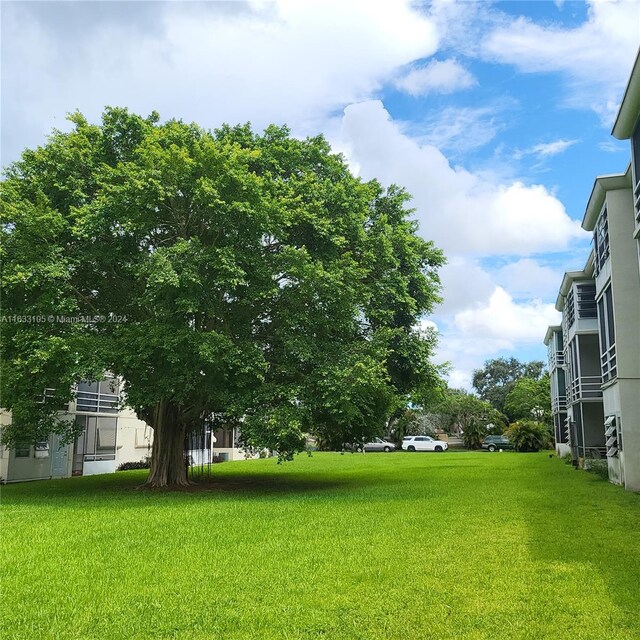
column 129, row 486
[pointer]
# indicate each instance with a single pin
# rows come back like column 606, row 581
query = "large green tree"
column 471, row 414
column 530, row 399
column 215, row 272
column 498, row 376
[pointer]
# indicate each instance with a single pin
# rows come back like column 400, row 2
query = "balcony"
column 558, row 404
column 584, row 388
column 556, row 360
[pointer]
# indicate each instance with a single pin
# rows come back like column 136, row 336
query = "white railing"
column 609, row 363
column 558, row 404
column 96, row 402
column 556, row 359
column 584, row 388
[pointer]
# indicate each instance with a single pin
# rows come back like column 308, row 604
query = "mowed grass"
column 454, row 545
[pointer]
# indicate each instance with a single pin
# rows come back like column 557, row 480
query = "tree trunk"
column 167, row 456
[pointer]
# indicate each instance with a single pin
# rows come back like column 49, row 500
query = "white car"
column 423, row 443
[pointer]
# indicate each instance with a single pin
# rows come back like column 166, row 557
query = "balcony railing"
column 608, row 364
column 558, row 404
column 584, row 388
column 556, row 359
column 97, row 402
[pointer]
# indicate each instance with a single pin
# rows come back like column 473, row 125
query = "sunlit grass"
column 454, row 545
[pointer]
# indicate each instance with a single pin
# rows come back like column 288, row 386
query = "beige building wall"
column 621, row 395
column 133, row 443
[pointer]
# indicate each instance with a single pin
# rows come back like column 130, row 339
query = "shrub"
column 145, row 463
column 567, row 458
column 411, row 423
column 529, row 435
column 599, row 468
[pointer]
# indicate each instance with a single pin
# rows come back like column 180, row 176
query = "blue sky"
column 496, row 116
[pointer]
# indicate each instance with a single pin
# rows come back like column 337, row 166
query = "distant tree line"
column 511, row 396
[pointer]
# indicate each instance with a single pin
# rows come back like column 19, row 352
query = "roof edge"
column 601, row 185
column 629, row 111
column 551, row 329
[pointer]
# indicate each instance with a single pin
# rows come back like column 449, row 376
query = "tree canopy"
column 529, row 399
column 471, row 414
column 215, row 272
column 497, row 377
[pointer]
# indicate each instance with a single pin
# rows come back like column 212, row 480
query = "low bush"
column 567, row 458
column 529, row 435
column 599, row 468
column 145, row 463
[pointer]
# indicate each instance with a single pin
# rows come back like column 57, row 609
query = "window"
column 570, row 309
column 607, row 332
column 601, row 241
column 23, row 450
column 574, row 366
column 586, row 300
column 47, row 394
column 98, row 438
column 98, row 397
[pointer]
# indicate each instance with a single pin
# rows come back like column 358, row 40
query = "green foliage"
column 497, row 377
column 145, row 463
column 412, row 423
column 229, row 272
column 567, row 458
column 530, row 398
column 529, row 435
column 470, row 414
column 599, row 468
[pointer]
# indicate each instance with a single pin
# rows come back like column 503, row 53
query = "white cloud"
column 460, row 129
column 596, row 57
column 457, row 294
column 552, row 148
column 286, row 61
column 547, row 149
column 489, row 312
column 462, row 212
column 439, row 76
column 611, row 145
column 507, row 322
column 527, row 278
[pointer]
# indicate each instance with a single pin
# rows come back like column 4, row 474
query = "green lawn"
column 454, row 545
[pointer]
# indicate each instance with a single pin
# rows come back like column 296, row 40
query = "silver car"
column 378, row 444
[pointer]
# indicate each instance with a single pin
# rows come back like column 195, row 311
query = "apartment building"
column 578, row 335
column 110, row 435
column 554, row 341
column 610, row 215
column 627, row 127
column 606, row 396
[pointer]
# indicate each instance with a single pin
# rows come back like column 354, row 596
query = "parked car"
column 493, row 443
column 423, row 443
column 378, row 444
